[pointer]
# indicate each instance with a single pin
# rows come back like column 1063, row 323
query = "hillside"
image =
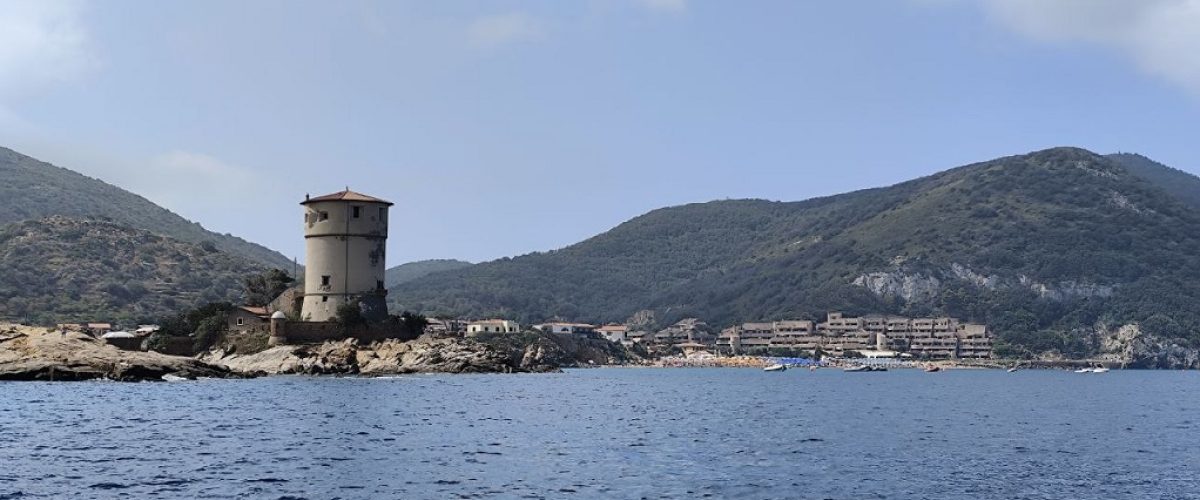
column 1182, row 185
column 1051, row 249
column 407, row 272
column 32, row 189
column 60, row 269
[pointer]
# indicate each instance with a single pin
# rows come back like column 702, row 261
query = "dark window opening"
column 323, row 216
column 356, row 211
column 324, row 280
column 378, row 284
column 325, row 298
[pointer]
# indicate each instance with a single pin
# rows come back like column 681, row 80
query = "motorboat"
column 933, row 369
column 1099, row 369
column 1085, row 370
column 777, row 367
column 857, row 368
column 173, row 378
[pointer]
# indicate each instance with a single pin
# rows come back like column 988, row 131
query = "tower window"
column 323, row 216
column 324, row 280
column 240, row 321
column 324, row 298
column 356, row 211
column 379, row 284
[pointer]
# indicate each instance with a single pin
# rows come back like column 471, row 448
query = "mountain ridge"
column 1031, row 233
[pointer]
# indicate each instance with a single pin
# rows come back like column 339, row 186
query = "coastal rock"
column 28, row 353
column 424, row 355
column 1133, row 347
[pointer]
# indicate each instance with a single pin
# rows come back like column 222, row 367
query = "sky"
column 505, row 127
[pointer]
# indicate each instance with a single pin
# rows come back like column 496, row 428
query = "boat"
column 1099, row 369
column 777, row 367
column 865, row 368
column 933, row 368
column 173, row 378
column 1085, row 370
column 1013, row 369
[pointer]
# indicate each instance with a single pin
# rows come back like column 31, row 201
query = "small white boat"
column 1099, row 369
column 173, row 378
column 1084, row 370
column 775, row 368
column 1013, row 369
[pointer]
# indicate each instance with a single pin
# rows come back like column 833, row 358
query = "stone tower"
column 345, row 237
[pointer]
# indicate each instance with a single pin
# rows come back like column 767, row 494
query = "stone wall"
column 285, row 331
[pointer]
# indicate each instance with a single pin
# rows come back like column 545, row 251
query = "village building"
column 927, row 338
column 615, row 333
column 690, row 330
column 581, row 329
column 492, row 326
column 247, row 319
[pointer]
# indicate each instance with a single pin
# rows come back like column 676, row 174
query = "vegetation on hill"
column 405, row 273
column 32, row 189
column 60, row 269
column 1182, row 185
column 1043, row 247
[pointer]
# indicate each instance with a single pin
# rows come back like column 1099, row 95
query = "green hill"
column 32, row 189
column 61, row 269
column 1182, row 185
column 1051, row 249
column 407, row 272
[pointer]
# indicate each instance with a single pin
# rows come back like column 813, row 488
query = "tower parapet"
column 345, row 236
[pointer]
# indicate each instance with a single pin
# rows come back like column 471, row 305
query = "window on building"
column 323, row 216
column 240, row 321
column 378, row 284
column 382, row 213
column 324, row 280
column 356, row 211
column 325, row 298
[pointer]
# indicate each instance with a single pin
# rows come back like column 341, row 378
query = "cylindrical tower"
column 345, row 238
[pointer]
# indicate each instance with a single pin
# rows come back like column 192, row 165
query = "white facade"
column 345, row 238
column 493, row 326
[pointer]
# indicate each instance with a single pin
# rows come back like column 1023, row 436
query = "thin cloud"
column 665, row 5
column 1161, row 36
column 501, row 29
column 41, row 42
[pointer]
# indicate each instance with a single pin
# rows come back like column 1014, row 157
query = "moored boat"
column 777, row 367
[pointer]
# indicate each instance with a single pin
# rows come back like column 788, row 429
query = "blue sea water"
column 611, row 433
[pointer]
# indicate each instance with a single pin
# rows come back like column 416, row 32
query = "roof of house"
column 346, row 195
column 257, row 311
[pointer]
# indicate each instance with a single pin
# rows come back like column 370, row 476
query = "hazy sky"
column 500, row 128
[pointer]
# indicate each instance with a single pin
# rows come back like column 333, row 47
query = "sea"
column 611, row 433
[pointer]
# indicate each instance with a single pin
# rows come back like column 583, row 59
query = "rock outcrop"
column 424, row 355
column 1134, row 348
column 506, row 353
column 28, row 353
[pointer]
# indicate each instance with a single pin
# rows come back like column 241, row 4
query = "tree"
column 262, row 288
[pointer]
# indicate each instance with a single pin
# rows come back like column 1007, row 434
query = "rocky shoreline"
column 30, row 353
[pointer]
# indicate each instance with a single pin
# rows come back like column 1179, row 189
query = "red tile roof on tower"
column 346, row 195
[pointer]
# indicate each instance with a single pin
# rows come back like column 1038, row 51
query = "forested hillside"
column 32, row 189
column 61, row 269
column 1048, row 248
